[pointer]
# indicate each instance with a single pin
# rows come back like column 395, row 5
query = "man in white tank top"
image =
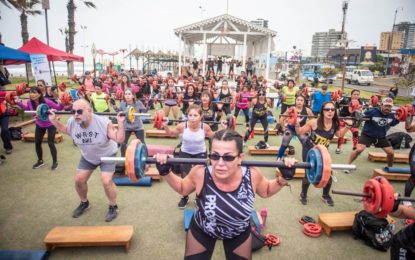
column 96, row 137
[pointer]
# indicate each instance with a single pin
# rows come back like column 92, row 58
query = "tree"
column 25, row 7
column 406, row 80
column 71, row 28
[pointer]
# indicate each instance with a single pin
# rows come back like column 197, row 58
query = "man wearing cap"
column 374, row 131
column 319, row 98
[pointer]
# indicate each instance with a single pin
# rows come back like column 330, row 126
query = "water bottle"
column 403, row 143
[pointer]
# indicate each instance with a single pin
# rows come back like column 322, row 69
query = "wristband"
column 164, row 169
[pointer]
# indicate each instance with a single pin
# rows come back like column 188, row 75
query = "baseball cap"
column 324, row 87
column 387, row 101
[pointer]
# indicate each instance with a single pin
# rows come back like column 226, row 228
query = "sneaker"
column 183, row 202
column 84, row 206
column 328, row 200
column 112, row 213
column 9, row 151
column 38, row 164
column 303, row 198
column 54, row 166
column 244, row 143
column 338, row 151
column 266, row 145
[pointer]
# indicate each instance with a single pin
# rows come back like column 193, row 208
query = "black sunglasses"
column 226, row 158
column 329, row 109
column 77, row 111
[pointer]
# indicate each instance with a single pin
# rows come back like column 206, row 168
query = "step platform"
column 381, row 157
column 125, row 181
column 24, row 254
column 338, row 221
column 272, row 150
column 188, row 214
column 299, row 173
column 30, row 137
column 158, row 133
column 22, row 123
column 81, row 236
column 391, row 175
column 260, row 131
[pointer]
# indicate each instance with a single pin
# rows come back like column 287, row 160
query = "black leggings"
column 410, row 183
column 306, row 184
column 39, row 133
column 140, row 136
column 185, row 168
column 245, row 111
column 264, row 121
column 196, row 233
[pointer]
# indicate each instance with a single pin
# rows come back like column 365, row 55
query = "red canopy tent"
column 34, row 46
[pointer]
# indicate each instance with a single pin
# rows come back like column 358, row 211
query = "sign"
column 45, row 4
column 40, row 68
column 94, row 51
column 98, row 66
column 368, row 54
column 221, row 49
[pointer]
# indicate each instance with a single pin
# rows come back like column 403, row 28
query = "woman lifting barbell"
column 223, row 183
column 37, row 98
column 194, row 132
column 137, row 125
column 289, row 130
column 321, row 131
column 171, row 94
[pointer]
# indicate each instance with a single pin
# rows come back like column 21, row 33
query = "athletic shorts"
column 377, row 142
column 170, row 102
column 105, row 167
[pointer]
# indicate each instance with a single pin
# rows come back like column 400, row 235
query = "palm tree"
column 71, row 28
column 25, row 7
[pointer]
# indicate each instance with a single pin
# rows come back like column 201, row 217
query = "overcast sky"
column 118, row 24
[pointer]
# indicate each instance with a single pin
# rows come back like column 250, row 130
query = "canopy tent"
column 12, row 56
column 34, row 46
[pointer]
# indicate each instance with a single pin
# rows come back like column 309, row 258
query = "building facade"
column 260, row 22
column 397, row 41
column 409, row 34
column 322, row 42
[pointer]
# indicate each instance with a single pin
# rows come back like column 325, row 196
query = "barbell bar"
column 378, row 196
column 318, row 166
column 43, row 112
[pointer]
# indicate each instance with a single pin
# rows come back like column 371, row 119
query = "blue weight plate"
column 314, row 173
column 141, row 154
column 42, row 112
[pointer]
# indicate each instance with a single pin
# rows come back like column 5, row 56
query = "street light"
column 83, row 28
column 390, row 40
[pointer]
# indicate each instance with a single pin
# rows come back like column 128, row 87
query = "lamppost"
column 83, row 28
column 390, row 40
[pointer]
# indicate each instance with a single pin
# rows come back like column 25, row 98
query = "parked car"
column 360, row 77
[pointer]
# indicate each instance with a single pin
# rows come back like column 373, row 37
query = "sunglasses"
column 329, row 109
column 226, row 158
column 77, row 111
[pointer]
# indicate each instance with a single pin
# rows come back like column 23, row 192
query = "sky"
column 122, row 24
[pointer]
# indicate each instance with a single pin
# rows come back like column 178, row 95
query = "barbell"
column 318, row 166
column 42, row 112
column 378, row 196
column 159, row 118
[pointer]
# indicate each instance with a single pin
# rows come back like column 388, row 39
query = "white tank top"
column 193, row 142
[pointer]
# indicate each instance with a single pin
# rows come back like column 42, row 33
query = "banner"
column 40, row 67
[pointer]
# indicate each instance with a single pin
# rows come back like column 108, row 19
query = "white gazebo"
column 222, row 33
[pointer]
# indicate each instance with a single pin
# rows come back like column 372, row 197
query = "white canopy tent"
column 225, row 30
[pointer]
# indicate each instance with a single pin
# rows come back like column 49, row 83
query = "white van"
column 360, row 77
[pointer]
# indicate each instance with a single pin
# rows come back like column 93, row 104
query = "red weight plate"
column 10, row 97
column 284, row 98
column 340, row 93
column 334, row 96
column 372, row 204
column 155, row 119
column 292, row 115
column 160, row 119
column 326, row 159
column 409, row 109
column 272, row 240
column 311, row 234
column 401, row 114
column 19, row 90
column 388, row 197
column 312, row 228
column 354, row 105
column 374, row 100
column 129, row 159
column 62, row 86
column 305, row 91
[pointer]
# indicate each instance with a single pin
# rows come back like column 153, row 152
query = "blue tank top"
column 224, row 215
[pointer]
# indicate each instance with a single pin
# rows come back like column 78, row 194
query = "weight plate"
column 372, row 204
column 314, row 173
column 388, row 197
column 292, row 115
column 42, row 112
column 129, row 159
column 326, row 166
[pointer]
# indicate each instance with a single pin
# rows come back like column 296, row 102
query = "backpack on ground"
column 376, row 232
column 16, row 133
column 395, row 139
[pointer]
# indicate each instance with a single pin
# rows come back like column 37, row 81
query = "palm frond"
column 34, row 12
column 90, row 4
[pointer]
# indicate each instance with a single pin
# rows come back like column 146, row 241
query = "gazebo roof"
column 225, row 26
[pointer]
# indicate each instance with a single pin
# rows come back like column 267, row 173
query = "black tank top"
column 260, row 109
column 224, row 215
column 225, row 97
column 319, row 136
